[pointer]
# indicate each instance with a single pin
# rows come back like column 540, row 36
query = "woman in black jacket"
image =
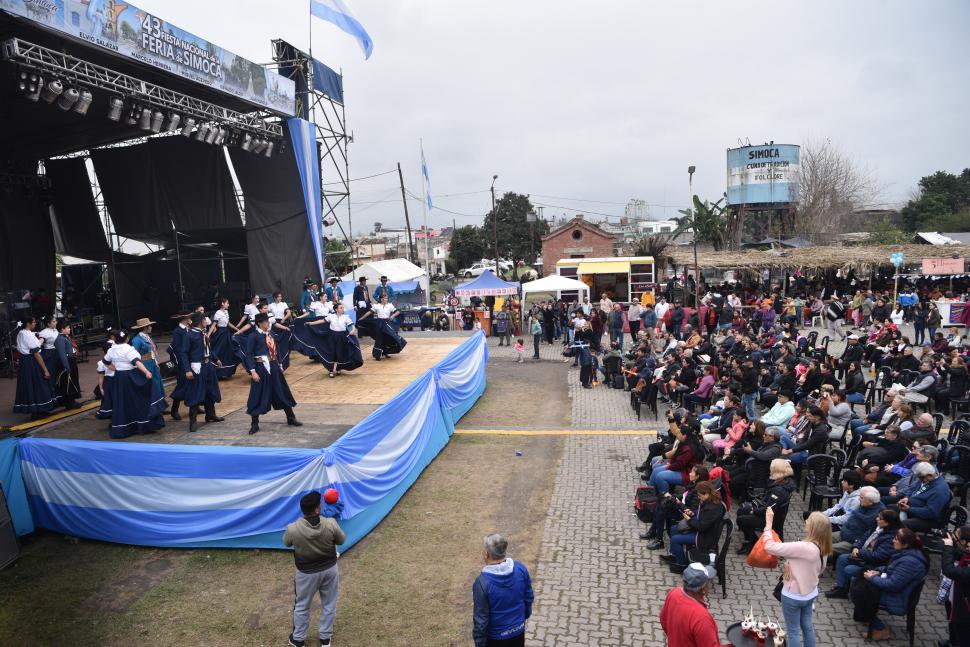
column 957, row 387
column 956, row 566
column 751, row 515
column 855, row 384
column 700, row 530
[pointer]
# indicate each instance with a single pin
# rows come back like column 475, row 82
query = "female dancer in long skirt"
column 142, row 342
column 34, row 393
column 379, row 323
column 48, row 334
column 132, row 409
column 220, row 333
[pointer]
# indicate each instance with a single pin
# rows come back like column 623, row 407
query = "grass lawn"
column 407, row 583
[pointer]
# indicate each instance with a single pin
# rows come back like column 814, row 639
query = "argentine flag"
column 336, row 11
column 427, row 179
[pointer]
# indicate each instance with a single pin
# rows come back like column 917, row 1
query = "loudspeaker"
column 9, row 546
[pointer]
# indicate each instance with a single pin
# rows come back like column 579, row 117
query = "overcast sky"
column 586, row 105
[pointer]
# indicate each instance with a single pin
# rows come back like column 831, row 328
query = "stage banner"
column 308, row 164
column 227, row 496
column 13, row 486
column 128, row 31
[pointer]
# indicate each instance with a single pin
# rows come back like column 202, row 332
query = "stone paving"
column 596, row 584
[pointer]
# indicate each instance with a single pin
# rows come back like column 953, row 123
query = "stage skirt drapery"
column 190, row 495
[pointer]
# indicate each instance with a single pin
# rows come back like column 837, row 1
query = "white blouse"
column 320, row 308
column 278, row 310
column 108, row 371
column 27, row 342
column 122, row 357
column 340, row 323
column 383, row 310
column 221, row 318
column 251, row 311
column 48, row 335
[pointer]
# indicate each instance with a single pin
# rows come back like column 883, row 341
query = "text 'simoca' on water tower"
column 762, row 191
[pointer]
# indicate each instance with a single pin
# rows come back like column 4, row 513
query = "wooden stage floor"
column 327, row 407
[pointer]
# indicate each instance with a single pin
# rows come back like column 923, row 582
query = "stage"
column 327, row 407
column 369, row 434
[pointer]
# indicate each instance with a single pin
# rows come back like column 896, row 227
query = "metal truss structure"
column 329, row 119
column 48, row 61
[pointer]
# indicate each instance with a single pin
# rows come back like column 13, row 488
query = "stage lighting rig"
column 187, row 126
column 247, row 142
column 201, row 132
column 68, row 98
column 145, row 119
column 30, row 83
column 84, row 101
column 156, row 123
column 269, row 149
column 172, row 124
column 115, row 105
column 51, row 91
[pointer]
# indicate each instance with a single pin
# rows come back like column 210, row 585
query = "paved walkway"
column 596, row 584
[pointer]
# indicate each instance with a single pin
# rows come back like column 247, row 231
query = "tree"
column 467, row 246
column 830, row 187
column 709, row 222
column 336, row 255
column 514, row 232
column 941, row 203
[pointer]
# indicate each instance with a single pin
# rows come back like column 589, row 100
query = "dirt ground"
column 407, row 583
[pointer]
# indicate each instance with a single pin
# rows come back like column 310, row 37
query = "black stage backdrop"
column 77, row 226
column 277, row 233
column 148, row 186
column 26, row 242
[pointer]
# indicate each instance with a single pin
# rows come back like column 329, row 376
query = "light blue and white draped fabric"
column 308, row 164
column 336, row 12
column 427, row 179
column 196, row 495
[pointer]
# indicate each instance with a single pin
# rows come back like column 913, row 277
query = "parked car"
column 477, row 268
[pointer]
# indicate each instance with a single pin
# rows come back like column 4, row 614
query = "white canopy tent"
column 396, row 270
column 552, row 283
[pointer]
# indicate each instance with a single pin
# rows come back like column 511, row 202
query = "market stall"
column 554, row 284
column 486, row 285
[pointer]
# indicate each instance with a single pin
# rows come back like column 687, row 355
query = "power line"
column 358, row 179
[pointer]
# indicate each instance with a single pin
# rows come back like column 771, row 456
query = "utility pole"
column 693, row 223
column 407, row 219
column 495, row 226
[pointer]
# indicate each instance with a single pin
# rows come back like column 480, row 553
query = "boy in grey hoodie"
column 314, row 539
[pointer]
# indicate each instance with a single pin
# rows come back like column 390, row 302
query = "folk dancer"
column 250, row 311
column 268, row 388
column 220, row 343
column 47, row 334
column 334, row 293
column 202, row 385
column 175, row 356
column 379, row 322
column 308, row 296
column 321, row 307
column 383, row 289
column 362, row 301
column 67, row 380
column 279, row 308
column 143, row 343
column 343, row 347
column 132, row 409
column 34, row 394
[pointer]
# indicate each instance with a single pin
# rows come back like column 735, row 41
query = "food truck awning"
column 603, row 267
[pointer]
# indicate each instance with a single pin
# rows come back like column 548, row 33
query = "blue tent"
column 486, row 285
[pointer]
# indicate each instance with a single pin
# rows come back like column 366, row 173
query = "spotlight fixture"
column 173, row 122
column 145, row 120
column 201, row 132
column 187, row 126
column 68, row 98
column 260, row 146
column 30, row 83
column 211, row 135
column 133, row 114
column 51, row 91
column 220, row 136
column 269, row 149
column 115, row 105
column 247, row 142
column 84, row 101
column 156, row 123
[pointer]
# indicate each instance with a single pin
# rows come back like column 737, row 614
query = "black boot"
column 254, row 427
column 291, row 418
column 210, row 413
column 175, row 409
column 193, row 414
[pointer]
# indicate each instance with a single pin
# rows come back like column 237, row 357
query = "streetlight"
column 693, row 224
column 495, row 224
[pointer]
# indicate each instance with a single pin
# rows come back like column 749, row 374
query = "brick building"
column 576, row 239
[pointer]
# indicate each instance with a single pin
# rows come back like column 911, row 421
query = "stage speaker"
column 167, row 369
column 9, row 546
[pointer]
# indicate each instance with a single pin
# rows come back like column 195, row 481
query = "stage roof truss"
column 48, row 61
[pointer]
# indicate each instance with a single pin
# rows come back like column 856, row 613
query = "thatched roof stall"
column 821, row 258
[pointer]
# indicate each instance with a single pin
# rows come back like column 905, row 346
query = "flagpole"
column 424, row 211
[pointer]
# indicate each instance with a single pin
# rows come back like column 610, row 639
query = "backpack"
column 618, row 381
column 721, row 480
column 645, row 502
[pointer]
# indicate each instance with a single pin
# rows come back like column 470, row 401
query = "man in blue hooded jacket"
column 502, row 596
